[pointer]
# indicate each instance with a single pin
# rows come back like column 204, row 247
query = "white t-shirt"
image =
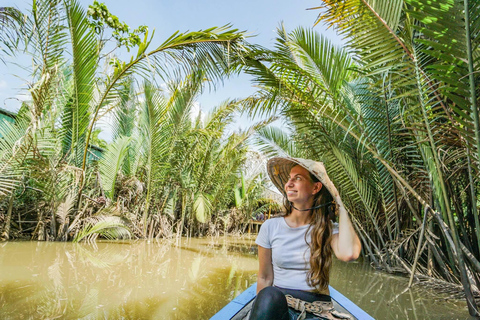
column 290, row 252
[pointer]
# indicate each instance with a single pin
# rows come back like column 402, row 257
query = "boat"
column 239, row 307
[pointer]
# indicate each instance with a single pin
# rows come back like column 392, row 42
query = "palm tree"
column 70, row 92
column 75, row 94
column 54, row 28
column 188, row 164
column 439, row 45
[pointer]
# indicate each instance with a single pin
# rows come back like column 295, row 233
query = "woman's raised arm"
column 345, row 244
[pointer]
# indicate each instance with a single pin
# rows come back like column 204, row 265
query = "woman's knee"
column 271, row 294
column 270, row 303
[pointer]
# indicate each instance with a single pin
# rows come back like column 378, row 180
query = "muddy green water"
column 189, row 279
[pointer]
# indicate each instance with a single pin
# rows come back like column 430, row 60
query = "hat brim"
column 278, row 169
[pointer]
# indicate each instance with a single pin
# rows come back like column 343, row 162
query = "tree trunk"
column 6, row 232
column 430, row 255
column 419, row 245
column 41, row 231
column 456, row 250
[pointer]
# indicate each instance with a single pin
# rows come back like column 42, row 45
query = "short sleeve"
column 335, row 228
column 263, row 238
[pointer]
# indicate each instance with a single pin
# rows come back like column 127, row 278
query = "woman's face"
column 300, row 189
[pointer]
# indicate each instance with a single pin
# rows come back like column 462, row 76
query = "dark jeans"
column 272, row 304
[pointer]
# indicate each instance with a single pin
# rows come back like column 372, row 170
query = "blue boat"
column 239, row 307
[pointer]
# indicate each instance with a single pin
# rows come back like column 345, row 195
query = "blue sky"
column 257, row 17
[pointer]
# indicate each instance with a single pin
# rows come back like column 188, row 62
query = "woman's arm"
column 265, row 270
column 345, row 244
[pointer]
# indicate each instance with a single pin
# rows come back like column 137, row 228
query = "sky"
column 259, row 18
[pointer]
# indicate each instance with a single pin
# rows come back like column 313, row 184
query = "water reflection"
column 385, row 296
column 134, row 280
column 191, row 279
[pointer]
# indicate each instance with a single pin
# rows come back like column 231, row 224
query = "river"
column 186, row 279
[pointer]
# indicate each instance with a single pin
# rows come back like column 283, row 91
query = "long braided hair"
column 321, row 227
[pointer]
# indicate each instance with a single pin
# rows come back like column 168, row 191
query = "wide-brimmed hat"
column 279, row 171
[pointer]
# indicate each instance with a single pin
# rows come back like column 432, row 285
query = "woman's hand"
column 325, row 179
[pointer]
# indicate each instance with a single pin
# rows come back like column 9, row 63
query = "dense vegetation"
column 168, row 171
column 394, row 116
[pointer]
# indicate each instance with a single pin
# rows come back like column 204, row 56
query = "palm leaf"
column 85, row 57
column 111, row 164
column 10, row 23
column 274, row 141
column 12, row 150
column 65, row 208
column 202, row 207
column 109, row 227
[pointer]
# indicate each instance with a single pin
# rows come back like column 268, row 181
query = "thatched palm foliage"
column 395, row 120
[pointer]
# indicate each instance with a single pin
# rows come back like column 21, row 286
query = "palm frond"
column 65, row 208
column 109, row 227
column 202, row 207
column 10, row 24
column 85, row 58
column 111, row 164
column 276, row 142
column 12, row 150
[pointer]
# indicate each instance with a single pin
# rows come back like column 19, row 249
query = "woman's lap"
column 272, row 304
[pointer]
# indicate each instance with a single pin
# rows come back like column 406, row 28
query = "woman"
column 295, row 250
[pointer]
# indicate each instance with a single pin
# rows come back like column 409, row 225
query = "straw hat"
column 279, row 171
